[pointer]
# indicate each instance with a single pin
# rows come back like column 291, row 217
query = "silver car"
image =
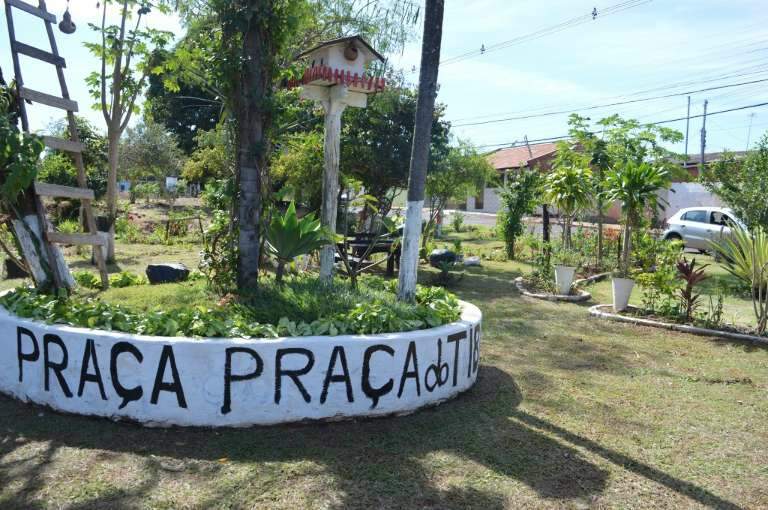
column 697, row 226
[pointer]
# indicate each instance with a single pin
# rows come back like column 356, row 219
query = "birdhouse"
column 341, row 62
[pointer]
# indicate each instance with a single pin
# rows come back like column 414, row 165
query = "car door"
column 695, row 229
column 720, row 225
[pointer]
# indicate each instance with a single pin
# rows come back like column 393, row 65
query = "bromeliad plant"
column 289, row 236
column 691, row 276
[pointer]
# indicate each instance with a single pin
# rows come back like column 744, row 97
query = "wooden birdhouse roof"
column 343, row 41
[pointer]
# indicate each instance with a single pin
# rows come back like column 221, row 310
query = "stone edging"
column 578, row 298
column 236, row 382
column 592, row 279
column 598, row 311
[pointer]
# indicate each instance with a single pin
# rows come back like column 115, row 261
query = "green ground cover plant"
column 297, row 307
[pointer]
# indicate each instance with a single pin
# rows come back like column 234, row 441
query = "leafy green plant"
column 458, row 248
column 69, row 227
column 635, row 186
column 218, row 258
column 87, row 279
column 146, row 190
column 569, row 189
column 742, row 184
column 375, row 310
column 289, row 237
column 745, row 256
column 519, row 198
column 691, row 276
column 126, row 279
column 565, row 257
column 457, row 221
column 129, row 231
column 19, row 154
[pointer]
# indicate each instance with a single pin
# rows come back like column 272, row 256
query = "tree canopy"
column 742, row 184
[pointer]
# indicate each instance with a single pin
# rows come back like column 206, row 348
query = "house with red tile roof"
column 541, row 156
column 511, row 159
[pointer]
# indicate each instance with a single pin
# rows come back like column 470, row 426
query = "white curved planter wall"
column 235, row 382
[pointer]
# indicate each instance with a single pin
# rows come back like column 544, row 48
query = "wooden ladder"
column 72, row 146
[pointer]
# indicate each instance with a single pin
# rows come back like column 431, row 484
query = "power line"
column 668, row 121
column 578, row 20
column 607, row 105
column 758, row 69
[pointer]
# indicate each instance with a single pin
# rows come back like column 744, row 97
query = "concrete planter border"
column 603, row 312
column 235, row 382
column 592, row 279
column 578, row 298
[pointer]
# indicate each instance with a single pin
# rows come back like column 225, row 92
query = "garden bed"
column 186, row 381
column 580, row 296
column 632, row 316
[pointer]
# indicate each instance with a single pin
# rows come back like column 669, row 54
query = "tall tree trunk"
column 425, row 106
column 253, row 118
column 545, row 222
column 113, row 157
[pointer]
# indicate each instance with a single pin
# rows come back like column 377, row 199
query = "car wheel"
column 673, row 237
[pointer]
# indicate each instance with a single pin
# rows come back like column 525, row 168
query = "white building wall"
column 491, row 201
column 687, row 194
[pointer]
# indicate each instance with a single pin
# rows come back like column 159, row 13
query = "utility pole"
column 749, row 131
column 687, row 126
column 703, row 137
column 530, row 152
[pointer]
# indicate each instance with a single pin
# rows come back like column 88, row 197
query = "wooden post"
column 334, row 107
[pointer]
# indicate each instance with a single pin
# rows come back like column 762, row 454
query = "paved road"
column 534, row 223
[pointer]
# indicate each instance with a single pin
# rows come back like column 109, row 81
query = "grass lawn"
column 568, row 411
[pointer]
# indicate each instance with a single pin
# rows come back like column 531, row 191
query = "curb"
column 578, row 298
column 592, row 279
column 598, row 311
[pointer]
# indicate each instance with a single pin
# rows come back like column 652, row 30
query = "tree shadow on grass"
column 371, row 463
column 380, row 462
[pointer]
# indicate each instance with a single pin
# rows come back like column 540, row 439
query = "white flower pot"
column 564, row 279
column 622, row 290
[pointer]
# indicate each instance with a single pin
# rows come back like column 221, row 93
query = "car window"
column 719, row 218
column 699, row 216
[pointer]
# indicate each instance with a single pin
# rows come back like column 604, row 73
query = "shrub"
column 457, row 221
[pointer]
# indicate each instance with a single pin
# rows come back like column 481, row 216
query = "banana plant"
column 289, row 236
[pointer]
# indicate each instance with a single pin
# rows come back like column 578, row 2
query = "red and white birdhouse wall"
column 341, row 62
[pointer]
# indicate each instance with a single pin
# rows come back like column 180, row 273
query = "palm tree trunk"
column 626, row 249
column 425, row 106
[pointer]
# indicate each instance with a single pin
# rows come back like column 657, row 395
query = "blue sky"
column 653, row 48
